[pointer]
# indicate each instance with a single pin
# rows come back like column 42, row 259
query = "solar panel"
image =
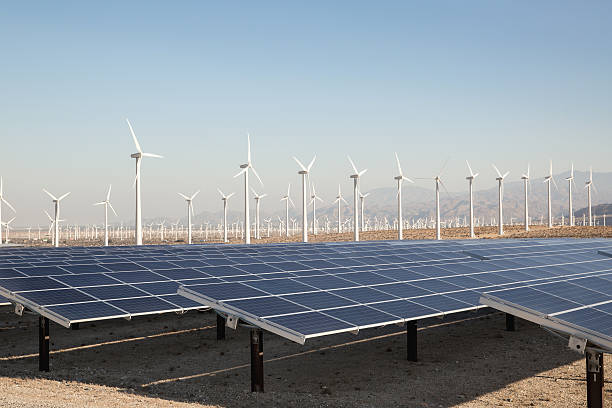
column 578, row 306
column 346, row 300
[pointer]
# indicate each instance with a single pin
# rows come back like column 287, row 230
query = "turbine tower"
column 471, row 178
column 138, row 156
column 526, row 181
column 339, row 200
column 257, row 202
column 287, row 199
column 305, row 172
column 3, row 200
column 245, row 170
column 438, row 180
column 570, row 180
column 189, row 212
column 56, row 202
column 224, row 198
column 548, row 180
column 106, row 203
column 400, row 180
column 313, row 200
column 356, row 176
column 588, row 185
column 500, row 180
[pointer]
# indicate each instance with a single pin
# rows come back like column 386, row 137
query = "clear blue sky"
column 508, row 82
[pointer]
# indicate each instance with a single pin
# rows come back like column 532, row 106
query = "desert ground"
column 466, row 360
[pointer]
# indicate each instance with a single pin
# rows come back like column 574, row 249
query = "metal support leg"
column 220, row 327
column 43, row 343
column 595, row 379
column 510, row 322
column 411, row 340
column 257, row 373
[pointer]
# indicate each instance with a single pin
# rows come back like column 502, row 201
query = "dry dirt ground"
column 176, row 361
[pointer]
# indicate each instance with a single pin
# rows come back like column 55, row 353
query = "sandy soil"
column 536, row 231
column 176, row 361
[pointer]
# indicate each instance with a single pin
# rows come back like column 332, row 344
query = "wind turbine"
column 257, row 202
column 305, row 172
column 355, row 178
column 313, row 200
column 339, row 200
column 138, row 156
column 438, row 180
column 8, row 227
column 56, row 202
column 3, row 200
column 288, row 201
column 245, row 170
column 548, row 180
column 224, row 198
column 570, row 180
column 500, row 180
column 471, row 178
column 189, row 212
column 106, row 203
column 526, row 181
column 588, row 185
column 400, row 180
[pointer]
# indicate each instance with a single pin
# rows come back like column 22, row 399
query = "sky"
column 504, row 82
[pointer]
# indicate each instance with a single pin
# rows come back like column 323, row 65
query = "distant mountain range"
column 418, row 202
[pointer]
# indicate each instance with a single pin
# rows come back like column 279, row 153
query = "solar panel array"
column 578, row 306
column 324, row 298
column 78, row 284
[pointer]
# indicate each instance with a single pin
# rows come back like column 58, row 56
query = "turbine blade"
column 362, row 172
column 100, row 203
column 50, row 195
column 195, row 194
column 311, row 163
column 256, row 175
column 64, row 196
column 184, row 196
column 152, row 155
column 9, row 205
column 134, row 136
column 299, row 163
column 221, row 192
column 241, row 171
column 399, row 166
column 352, row 164
column 470, row 168
column 505, row 174
column 230, row 195
column 248, row 148
column 497, row 171
column 111, row 207
column 443, row 166
column 109, row 191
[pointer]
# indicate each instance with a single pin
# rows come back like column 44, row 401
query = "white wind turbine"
column 8, row 227
column 106, row 203
column 526, row 181
column 305, row 172
column 287, row 199
column 138, row 156
column 313, row 200
column 438, row 180
column 570, row 180
column 189, row 200
column 56, row 202
column 362, row 197
column 471, row 178
column 225, row 198
column 588, row 185
column 356, row 176
column 400, row 180
column 245, row 170
column 3, row 200
column 548, row 180
column 500, row 179
column 339, row 200
column 257, row 198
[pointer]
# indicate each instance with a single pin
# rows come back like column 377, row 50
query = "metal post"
column 510, row 322
column 595, row 379
column 220, row 327
column 411, row 340
column 257, row 373
column 43, row 343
